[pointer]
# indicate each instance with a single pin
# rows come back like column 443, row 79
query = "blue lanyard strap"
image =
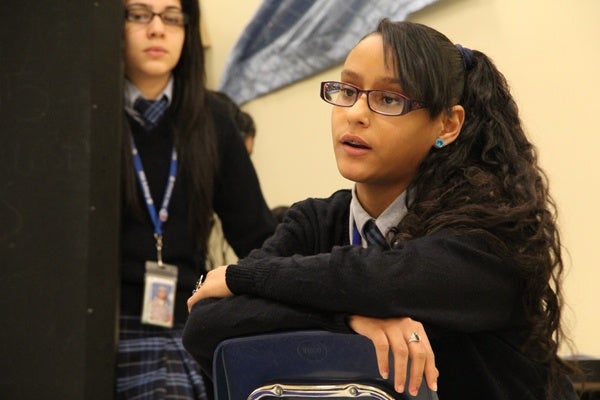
column 163, row 215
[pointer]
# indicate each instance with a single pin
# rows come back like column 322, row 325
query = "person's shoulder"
column 222, row 117
column 337, row 203
column 220, row 104
column 324, row 214
column 339, row 196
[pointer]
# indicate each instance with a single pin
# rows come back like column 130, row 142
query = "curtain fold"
column 288, row 40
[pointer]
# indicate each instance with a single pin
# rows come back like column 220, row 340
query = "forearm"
column 443, row 281
column 214, row 320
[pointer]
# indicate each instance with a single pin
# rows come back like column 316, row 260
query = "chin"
column 353, row 174
column 349, row 168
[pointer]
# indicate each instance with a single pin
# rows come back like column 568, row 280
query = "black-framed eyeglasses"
column 141, row 14
column 383, row 102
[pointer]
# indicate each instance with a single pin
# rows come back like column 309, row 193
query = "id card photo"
column 159, row 301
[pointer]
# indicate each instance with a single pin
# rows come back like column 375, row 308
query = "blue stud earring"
column 439, row 143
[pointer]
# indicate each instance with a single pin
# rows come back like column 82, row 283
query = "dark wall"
column 60, row 127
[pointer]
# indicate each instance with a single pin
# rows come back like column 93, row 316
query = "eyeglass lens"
column 380, row 101
column 144, row 15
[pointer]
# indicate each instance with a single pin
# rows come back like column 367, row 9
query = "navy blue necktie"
column 373, row 235
column 151, row 110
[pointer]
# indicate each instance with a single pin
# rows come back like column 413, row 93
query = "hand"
column 213, row 286
column 394, row 333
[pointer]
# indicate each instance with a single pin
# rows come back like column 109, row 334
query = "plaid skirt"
column 153, row 365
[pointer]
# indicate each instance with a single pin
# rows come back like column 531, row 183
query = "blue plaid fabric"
column 151, row 110
column 153, row 365
column 373, row 235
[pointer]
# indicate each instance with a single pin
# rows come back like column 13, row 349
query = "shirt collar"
column 389, row 218
column 132, row 93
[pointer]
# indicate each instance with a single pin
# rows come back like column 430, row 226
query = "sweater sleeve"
column 214, row 320
column 239, row 202
column 455, row 282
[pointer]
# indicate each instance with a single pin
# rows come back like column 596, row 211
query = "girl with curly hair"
column 447, row 244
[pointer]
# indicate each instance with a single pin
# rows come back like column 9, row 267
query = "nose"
column 359, row 112
column 156, row 26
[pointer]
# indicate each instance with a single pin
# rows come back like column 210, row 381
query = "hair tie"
column 467, row 57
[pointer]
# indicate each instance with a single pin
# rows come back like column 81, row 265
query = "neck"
column 375, row 199
column 150, row 87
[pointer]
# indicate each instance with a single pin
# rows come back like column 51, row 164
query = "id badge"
column 160, row 287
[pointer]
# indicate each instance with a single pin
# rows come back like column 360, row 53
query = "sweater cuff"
column 340, row 324
column 241, row 280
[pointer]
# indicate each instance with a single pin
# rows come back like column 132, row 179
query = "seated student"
column 449, row 232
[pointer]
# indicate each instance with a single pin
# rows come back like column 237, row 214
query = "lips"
column 155, row 51
column 354, row 141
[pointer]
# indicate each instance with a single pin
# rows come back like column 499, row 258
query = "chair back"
column 303, row 365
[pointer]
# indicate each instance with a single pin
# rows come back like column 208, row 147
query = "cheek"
column 131, row 38
column 407, row 146
column 337, row 119
column 179, row 45
column 131, row 54
column 128, row 54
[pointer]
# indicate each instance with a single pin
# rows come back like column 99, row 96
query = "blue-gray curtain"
column 288, row 40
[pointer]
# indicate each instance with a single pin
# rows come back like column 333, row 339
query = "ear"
column 452, row 122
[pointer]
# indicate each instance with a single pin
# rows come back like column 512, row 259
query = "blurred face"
column 380, row 153
column 249, row 142
column 162, row 293
column 152, row 50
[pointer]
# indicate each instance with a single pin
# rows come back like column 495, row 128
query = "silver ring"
column 414, row 337
column 198, row 284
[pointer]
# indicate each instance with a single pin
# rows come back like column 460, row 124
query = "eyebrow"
column 149, row 6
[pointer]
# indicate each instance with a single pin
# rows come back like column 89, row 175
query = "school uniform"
column 309, row 276
column 151, row 359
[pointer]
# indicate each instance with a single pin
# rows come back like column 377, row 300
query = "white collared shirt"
column 388, row 219
column 132, row 93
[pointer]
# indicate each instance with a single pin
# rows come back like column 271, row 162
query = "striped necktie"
column 373, row 235
column 151, row 110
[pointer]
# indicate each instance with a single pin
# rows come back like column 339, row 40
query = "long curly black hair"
column 488, row 180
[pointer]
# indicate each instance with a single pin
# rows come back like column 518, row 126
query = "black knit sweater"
column 308, row 276
column 238, row 200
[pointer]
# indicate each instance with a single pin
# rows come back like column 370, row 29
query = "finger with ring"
column 198, row 284
column 414, row 337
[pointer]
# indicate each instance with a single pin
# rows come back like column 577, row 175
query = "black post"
column 60, row 131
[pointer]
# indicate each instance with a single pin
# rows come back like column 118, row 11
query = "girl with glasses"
column 183, row 158
column 447, row 244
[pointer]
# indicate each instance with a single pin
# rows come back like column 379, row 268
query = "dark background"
column 60, row 128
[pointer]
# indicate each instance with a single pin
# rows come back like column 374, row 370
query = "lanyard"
column 163, row 215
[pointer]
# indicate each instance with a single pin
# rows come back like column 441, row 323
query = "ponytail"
column 488, row 180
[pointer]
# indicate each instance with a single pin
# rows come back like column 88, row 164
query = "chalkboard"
column 60, row 131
